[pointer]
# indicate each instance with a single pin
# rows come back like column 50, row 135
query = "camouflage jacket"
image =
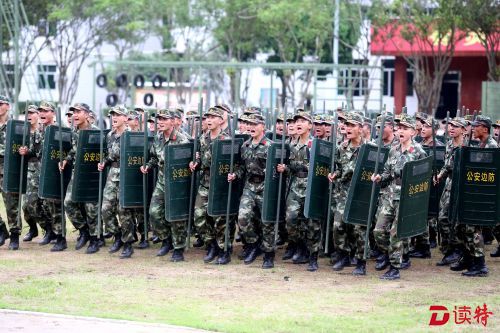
column 205, row 159
column 345, row 162
column 299, row 166
column 447, row 168
column 253, row 166
column 489, row 143
column 74, row 142
column 393, row 168
column 3, row 132
column 112, row 155
column 35, row 151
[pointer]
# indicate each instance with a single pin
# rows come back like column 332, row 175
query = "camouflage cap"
column 46, row 106
column 32, row 109
column 215, row 111
column 69, row 113
column 468, row 118
column 428, row 122
column 496, row 124
column 255, row 118
column 405, row 120
column 252, row 110
column 303, row 115
column 4, row 99
column 223, row 107
column 243, row 118
column 353, row 118
column 164, row 113
column 176, row 113
column 137, row 109
column 318, row 119
column 280, row 117
column 482, row 121
column 458, row 122
column 132, row 115
column 367, row 121
column 119, row 110
column 179, row 109
column 421, row 116
column 80, row 107
column 192, row 114
column 388, row 119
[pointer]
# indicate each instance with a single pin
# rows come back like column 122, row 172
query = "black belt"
column 115, row 164
column 301, row 174
column 255, row 179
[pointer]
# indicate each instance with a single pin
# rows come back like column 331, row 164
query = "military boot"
column 165, row 248
column 253, row 253
column 14, row 242
column 177, row 255
column 360, row 268
column 143, row 243
column 60, row 244
column 101, row 241
column 83, row 238
column 212, row 252
column 432, row 238
column 302, row 254
column 268, row 260
column 450, row 257
column 334, row 257
column 382, row 263
column 93, row 245
column 128, row 250
column 391, row 274
column 117, row 244
column 4, row 234
column 32, row 233
column 313, row 262
column 290, row 251
column 464, row 263
column 198, row 242
column 224, row 257
column 48, row 237
column 477, row 269
column 423, row 252
column 495, row 253
column 244, row 251
column 342, row 262
column 406, row 263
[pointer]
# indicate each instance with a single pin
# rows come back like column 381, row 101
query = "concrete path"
column 38, row 322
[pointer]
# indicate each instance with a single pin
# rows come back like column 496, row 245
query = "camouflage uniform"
column 165, row 229
column 10, row 200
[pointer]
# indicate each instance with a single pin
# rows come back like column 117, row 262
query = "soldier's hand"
column 100, row 166
column 62, row 165
column 193, row 165
column 23, row 150
column 376, row 178
column 331, row 177
column 231, row 177
column 281, row 168
column 144, row 169
column 197, row 155
column 437, row 179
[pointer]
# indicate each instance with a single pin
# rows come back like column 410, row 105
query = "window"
column 46, row 76
column 353, row 80
column 388, row 89
column 9, row 74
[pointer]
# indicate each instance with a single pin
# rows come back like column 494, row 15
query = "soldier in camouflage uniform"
column 171, row 233
column 210, row 229
column 110, row 209
column 257, row 235
column 470, row 236
column 83, row 216
column 10, row 200
column 348, row 238
column 406, row 150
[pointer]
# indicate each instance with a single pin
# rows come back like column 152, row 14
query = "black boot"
column 253, row 253
column 165, row 248
column 375, row 253
column 382, row 263
column 117, row 244
column 60, row 244
column 177, row 255
column 224, row 257
column 391, row 274
column 478, row 268
column 450, row 258
column 32, row 233
column 335, row 256
column 464, row 263
column 360, row 268
column 83, row 238
column 432, row 238
column 422, row 252
column 290, row 251
column 212, row 252
column 301, row 255
column 93, row 245
column 48, row 237
column 143, row 244
column 101, row 241
column 4, row 234
column 495, row 253
column 14, row 242
column 268, row 260
column 128, row 250
column 155, row 239
column 313, row 262
column 406, row 263
column 342, row 262
column 244, row 251
column 198, row 242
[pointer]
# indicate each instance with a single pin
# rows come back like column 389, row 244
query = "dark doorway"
column 449, row 95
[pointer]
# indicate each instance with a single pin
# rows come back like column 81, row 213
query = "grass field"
column 239, row 298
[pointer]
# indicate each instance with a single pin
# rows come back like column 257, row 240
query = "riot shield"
column 177, row 181
column 244, row 137
column 359, row 195
column 85, row 174
column 315, row 206
column 12, row 159
column 271, row 184
column 270, row 135
column 414, row 202
column 436, row 191
column 479, row 195
column 49, row 173
column 455, row 187
column 219, row 186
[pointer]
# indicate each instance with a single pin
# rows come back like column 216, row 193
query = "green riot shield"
column 436, row 191
column 85, row 174
column 50, row 187
column 244, row 137
column 131, row 159
column 479, row 195
column 455, row 187
column 12, row 159
column 315, row 206
column 270, row 135
column 219, row 186
column 358, row 197
column 271, row 184
column 414, row 202
column 177, row 181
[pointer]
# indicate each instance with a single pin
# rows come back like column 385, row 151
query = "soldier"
column 470, row 236
column 406, row 150
column 256, row 235
column 291, row 130
column 496, row 131
column 133, row 121
column 367, row 129
column 449, row 243
column 69, row 118
column 179, row 120
column 83, row 216
column 10, row 200
column 242, row 124
column 318, row 127
column 346, row 236
column 210, row 229
column 304, row 234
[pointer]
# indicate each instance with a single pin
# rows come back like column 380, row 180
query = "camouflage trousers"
column 175, row 230
column 211, row 228
column 11, row 202
column 253, row 230
column 33, row 207
column 299, row 227
column 111, row 208
column 81, row 214
column 53, row 206
column 138, row 217
column 387, row 224
column 423, row 240
column 471, row 238
column 446, row 228
column 348, row 237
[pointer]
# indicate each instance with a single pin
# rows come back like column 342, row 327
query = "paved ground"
column 36, row 322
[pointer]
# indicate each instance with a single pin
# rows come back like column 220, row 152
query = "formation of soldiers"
column 305, row 238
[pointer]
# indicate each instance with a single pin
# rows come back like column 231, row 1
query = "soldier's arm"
column 72, row 153
column 153, row 157
column 386, row 176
